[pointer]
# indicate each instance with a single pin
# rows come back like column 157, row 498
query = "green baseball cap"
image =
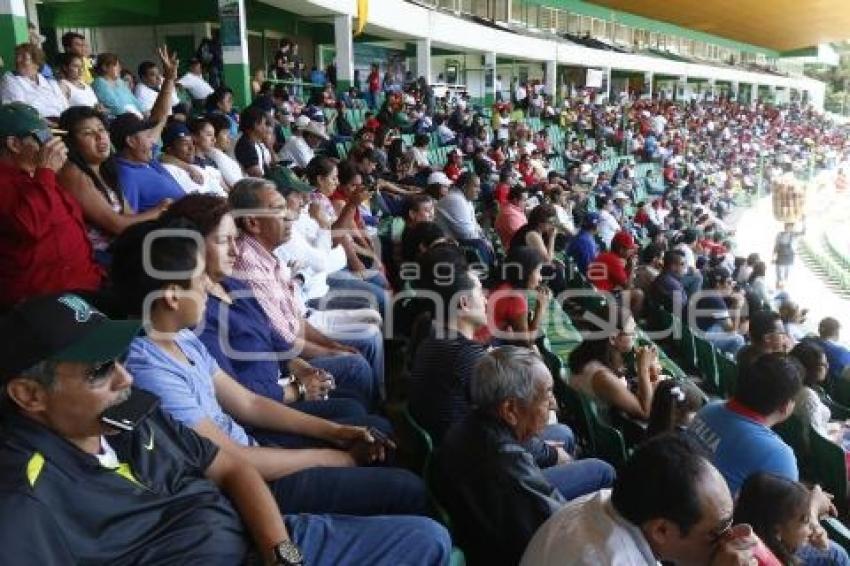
column 62, row 328
column 20, row 120
column 287, row 181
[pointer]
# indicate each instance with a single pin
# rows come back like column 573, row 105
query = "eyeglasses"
column 99, row 372
column 725, row 526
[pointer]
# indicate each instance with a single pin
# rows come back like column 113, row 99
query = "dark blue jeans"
column 352, row 491
column 342, row 411
column 353, row 376
column 573, row 479
column 377, row 541
column 373, row 288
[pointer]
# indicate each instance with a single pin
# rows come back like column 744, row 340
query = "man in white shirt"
column 147, row 90
column 179, row 159
column 299, row 147
column 194, row 81
column 669, row 503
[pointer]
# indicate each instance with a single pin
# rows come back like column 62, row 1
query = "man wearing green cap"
column 76, row 490
column 45, row 247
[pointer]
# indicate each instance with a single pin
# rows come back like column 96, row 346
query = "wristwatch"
column 287, row 554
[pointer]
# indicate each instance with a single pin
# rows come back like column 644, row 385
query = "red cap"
column 372, row 124
column 624, row 240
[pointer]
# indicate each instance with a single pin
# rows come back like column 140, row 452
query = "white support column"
column 551, row 78
column 489, row 78
column 734, row 89
column 647, row 81
column 608, row 86
column 681, row 92
column 423, row 58
column 712, row 90
column 344, row 52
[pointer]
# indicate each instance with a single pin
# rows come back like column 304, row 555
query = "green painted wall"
column 13, row 30
column 587, row 9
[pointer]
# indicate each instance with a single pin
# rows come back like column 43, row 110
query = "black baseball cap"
column 60, row 328
column 126, row 125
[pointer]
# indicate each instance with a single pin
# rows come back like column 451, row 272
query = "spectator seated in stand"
column 178, row 156
column 767, row 336
column 613, row 272
column 583, row 249
column 64, row 466
column 111, row 90
column 717, row 312
column 597, row 368
column 511, row 215
column 667, row 504
column 45, row 246
column 27, row 86
column 456, row 216
column 495, row 492
column 837, row 355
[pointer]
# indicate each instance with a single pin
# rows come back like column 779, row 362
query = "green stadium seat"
column 727, row 370
column 707, row 364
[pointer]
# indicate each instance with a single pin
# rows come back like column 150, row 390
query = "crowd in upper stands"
column 249, row 267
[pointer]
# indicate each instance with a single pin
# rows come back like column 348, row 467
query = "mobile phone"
column 381, row 437
column 127, row 415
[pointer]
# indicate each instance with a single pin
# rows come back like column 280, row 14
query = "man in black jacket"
column 495, row 493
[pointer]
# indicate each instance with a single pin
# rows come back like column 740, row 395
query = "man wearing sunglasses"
column 45, row 247
column 76, row 490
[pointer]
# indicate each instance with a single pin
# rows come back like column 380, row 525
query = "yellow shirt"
column 87, row 76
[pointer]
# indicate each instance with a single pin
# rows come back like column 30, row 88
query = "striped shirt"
column 439, row 389
column 270, row 282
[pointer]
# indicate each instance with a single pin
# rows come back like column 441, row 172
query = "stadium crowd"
column 272, row 299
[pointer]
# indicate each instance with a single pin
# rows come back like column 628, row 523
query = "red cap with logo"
column 624, row 240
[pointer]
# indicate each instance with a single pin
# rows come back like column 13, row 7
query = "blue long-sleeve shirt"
column 240, row 338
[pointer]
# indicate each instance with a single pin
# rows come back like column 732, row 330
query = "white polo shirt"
column 588, row 532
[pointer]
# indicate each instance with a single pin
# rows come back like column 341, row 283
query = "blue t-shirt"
column 741, row 446
column 186, row 390
column 115, row 96
column 241, row 339
column 146, row 184
column 583, row 250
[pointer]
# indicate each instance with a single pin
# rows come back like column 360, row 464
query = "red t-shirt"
column 500, row 193
column 452, row 171
column 43, row 243
column 608, row 272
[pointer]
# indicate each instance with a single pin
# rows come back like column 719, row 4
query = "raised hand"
column 169, row 62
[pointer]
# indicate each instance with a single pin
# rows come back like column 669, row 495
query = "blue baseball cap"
column 173, row 132
column 591, row 220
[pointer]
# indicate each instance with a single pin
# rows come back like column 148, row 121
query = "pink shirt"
column 270, row 282
column 511, row 218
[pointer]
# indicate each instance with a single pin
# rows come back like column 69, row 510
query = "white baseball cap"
column 439, row 178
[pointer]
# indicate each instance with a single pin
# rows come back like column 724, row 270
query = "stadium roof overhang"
column 780, row 25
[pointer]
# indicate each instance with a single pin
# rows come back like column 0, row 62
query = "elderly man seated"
column 494, row 491
column 94, row 473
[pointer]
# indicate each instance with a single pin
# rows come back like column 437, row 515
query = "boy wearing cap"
column 76, row 490
column 612, row 270
column 46, row 247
